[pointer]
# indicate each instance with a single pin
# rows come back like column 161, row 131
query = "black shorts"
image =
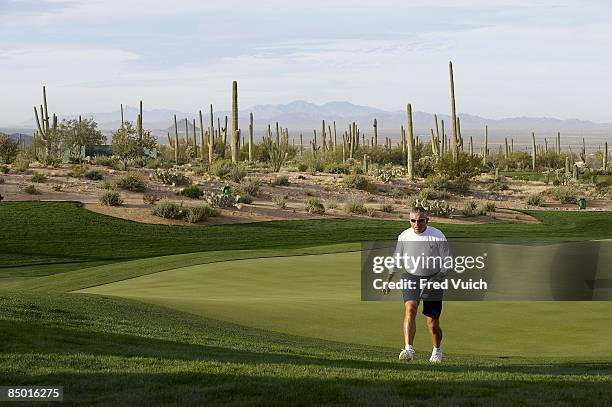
column 432, row 299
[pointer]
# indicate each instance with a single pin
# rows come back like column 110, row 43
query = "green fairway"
column 319, row 296
column 121, row 313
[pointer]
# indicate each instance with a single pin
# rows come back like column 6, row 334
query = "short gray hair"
column 420, row 210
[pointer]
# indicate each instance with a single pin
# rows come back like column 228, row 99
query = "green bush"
column 245, row 199
column 132, row 182
column 281, row 180
column 199, row 213
column 471, row 209
column 489, row 207
column 439, row 181
column 336, row 168
column 168, row 210
column 237, row 173
column 38, row 178
column 314, row 206
column 355, row 207
column 279, row 201
column 387, row 207
column 21, row 163
column 150, row 199
column 464, row 166
column 331, row 204
column 535, row 200
column 432, row 194
column 31, row 189
column 460, row 185
column 57, row 187
column 110, row 198
column 77, row 171
column 192, row 192
column 104, row 161
column 94, row 175
column 302, row 167
column 498, row 184
column 249, row 186
column 4, row 169
column 218, row 200
column 565, row 194
column 221, row 168
column 171, row 177
column 357, row 181
column 2, row 181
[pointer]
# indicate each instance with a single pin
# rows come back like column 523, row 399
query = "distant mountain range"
column 302, row 117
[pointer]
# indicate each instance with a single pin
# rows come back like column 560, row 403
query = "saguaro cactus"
column 122, row 120
column 335, row 138
column 485, row 149
column 323, row 136
column 235, row 122
column 605, row 157
column 534, row 152
column 251, row 136
column 195, row 140
column 176, row 142
column 375, row 133
column 409, row 146
column 211, row 136
column 140, row 121
column 202, row 138
column 455, row 140
column 558, row 142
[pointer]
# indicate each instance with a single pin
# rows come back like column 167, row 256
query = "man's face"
column 418, row 222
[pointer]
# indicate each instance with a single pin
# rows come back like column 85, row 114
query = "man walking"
column 426, row 241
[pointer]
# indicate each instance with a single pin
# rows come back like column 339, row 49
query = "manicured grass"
column 118, row 352
column 39, row 233
column 262, row 331
column 319, row 296
column 523, row 175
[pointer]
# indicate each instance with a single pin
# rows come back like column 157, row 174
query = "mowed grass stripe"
column 35, row 232
column 319, row 296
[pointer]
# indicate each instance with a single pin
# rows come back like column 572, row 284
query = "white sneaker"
column 436, row 357
column 406, row 354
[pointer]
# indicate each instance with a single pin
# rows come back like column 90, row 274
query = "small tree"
column 128, row 146
column 8, row 149
column 76, row 134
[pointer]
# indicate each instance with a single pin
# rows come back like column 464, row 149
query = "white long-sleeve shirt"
column 430, row 243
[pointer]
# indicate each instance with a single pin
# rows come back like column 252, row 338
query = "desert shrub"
column 332, row 205
column 355, row 207
column 245, row 199
column 489, row 207
column 132, row 182
column 171, row 177
column 31, row 189
column 237, row 173
column 38, row 178
column 314, row 206
column 57, row 187
column 77, row 171
column 424, row 166
column 220, row 200
column 498, row 184
column 460, row 185
column 249, row 186
column 2, row 181
column 436, row 207
column 471, row 209
column 464, row 166
column 432, row 194
column 302, row 167
column 150, row 199
column 21, row 163
column 371, row 212
column 281, row 180
column 357, row 181
column 565, row 194
column 192, row 192
column 337, row 168
column 103, row 160
column 94, row 175
column 387, row 175
column 221, row 168
column 279, row 201
column 387, row 207
column 4, row 169
column 535, row 200
column 439, row 181
column 156, row 163
column 308, row 192
column 168, row 210
column 110, row 198
column 199, row 213
column 109, row 185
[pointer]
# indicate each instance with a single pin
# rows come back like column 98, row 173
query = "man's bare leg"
column 435, row 331
column 410, row 322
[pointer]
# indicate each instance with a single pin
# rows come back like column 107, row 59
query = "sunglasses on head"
column 417, row 220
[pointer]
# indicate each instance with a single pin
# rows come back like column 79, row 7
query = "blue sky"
column 511, row 57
